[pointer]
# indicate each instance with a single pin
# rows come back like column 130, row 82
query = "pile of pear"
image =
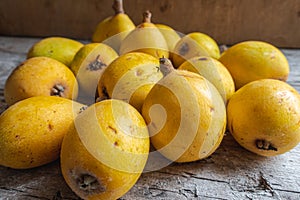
column 97, row 106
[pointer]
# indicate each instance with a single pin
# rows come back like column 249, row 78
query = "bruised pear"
column 186, row 115
column 58, row 48
column 130, row 77
column 32, row 130
column 114, row 29
column 263, row 117
column 105, row 150
column 146, row 38
column 195, row 44
column 40, row 76
column 88, row 66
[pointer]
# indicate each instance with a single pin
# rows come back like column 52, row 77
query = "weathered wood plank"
column 230, row 173
column 228, row 21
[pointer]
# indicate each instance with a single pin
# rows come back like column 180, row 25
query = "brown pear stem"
column 147, row 16
column 165, row 66
column 118, row 6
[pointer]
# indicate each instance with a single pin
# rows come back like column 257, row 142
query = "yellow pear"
column 170, row 35
column 40, row 76
column 186, row 115
column 88, row 66
column 114, row 29
column 130, row 77
column 252, row 60
column 105, row 150
column 146, row 38
column 32, row 130
column 58, row 48
column 195, row 44
column 263, row 117
column 214, row 71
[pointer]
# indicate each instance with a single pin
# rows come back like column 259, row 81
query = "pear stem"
column 118, row 6
column 165, row 66
column 147, row 16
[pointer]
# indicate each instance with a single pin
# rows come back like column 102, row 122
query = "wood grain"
column 230, row 173
column 227, row 21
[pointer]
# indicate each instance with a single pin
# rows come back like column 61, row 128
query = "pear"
column 88, row 66
column 195, row 44
column 58, row 48
column 130, row 77
column 114, row 29
column 186, row 115
column 214, row 71
column 170, row 35
column 32, row 130
column 40, row 76
column 146, row 38
column 249, row 61
column 263, row 117
column 105, row 150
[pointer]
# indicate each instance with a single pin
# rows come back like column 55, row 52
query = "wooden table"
column 230, row 173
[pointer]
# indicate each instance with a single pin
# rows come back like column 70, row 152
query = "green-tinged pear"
column 59, row 48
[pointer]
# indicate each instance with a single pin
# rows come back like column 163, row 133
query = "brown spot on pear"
column 195, row 44
column 88, row 65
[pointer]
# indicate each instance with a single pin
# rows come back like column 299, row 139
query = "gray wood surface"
column 230, row 173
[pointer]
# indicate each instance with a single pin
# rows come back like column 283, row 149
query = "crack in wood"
column 205, row 178
column 24, row 193
column 192, row 175
column 268, row 186
column 11, row 189
column 162, row 190
column 57, row 196
column 289, row 191
column 35, row 196
column 212, row 197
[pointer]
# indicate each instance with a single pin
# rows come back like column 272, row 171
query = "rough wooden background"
column 230, row 173
column 227, row 21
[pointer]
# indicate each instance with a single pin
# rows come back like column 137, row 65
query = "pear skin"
column 105, row 150
column 88, row 66
column 195, row 44
column 171, row 36
column 263, row 117
column 32, row 130
column 214, row 71
column 58, row 48
column 130, row 77
column 114, row 29
column 146, row 38
column 40, row 76
column 186, row 115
